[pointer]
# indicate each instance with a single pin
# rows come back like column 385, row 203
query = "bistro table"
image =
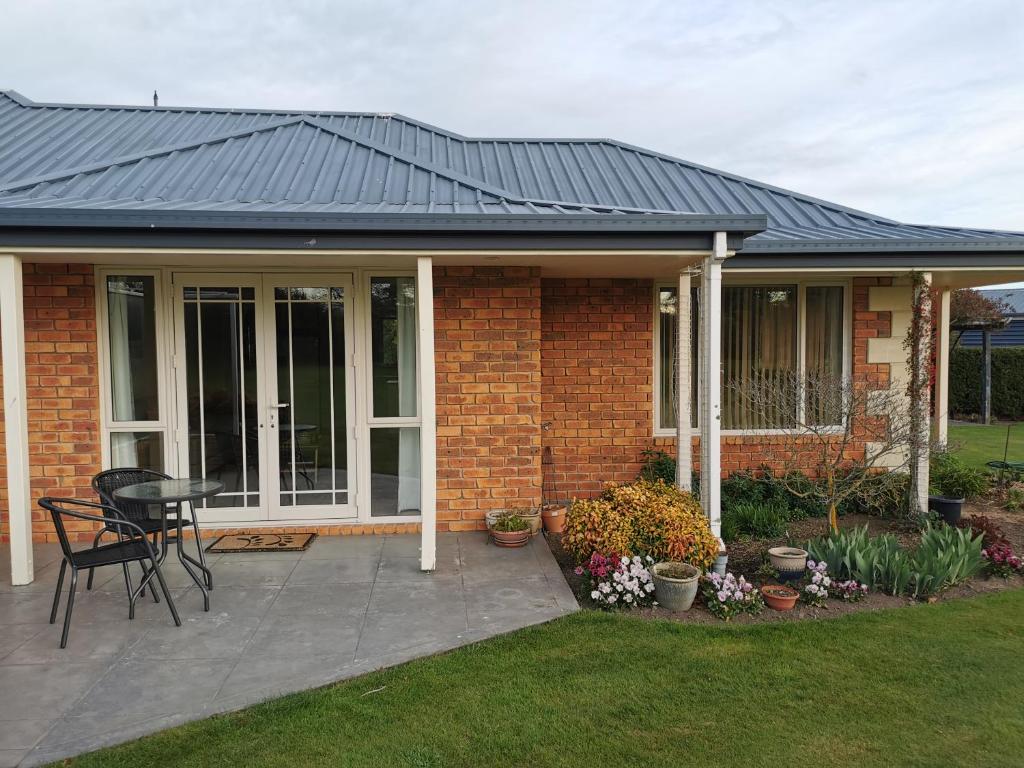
column 168, row 496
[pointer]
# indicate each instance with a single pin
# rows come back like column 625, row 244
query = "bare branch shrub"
column 827, row 423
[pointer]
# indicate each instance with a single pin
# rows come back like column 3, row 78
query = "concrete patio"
column 279, row 622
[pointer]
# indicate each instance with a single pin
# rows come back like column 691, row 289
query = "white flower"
column 649, row 587
column 595, row 595
column 628, row 598
column 625, row 561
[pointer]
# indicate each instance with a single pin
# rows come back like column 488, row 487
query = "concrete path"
column 278, row 623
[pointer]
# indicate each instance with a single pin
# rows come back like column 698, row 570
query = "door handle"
column 281, row 405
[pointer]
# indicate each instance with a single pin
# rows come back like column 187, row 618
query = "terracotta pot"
column 510, row 539
column 554, row 518
column 675, row 592
column 790, row 562
column 779, row 598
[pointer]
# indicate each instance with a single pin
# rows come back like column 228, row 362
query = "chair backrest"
column 58, row 508
column 108, row 481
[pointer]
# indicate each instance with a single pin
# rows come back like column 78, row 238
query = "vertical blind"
column 763, row 386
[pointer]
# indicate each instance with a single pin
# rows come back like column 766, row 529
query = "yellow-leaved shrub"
column 641, row 518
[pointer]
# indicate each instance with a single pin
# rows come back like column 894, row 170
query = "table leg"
column 207, row 577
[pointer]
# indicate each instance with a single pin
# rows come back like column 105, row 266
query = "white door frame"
column 179, row 280
column 272, row 416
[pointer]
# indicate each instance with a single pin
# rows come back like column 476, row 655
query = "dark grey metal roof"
column 1013, row 297
column 59, row 156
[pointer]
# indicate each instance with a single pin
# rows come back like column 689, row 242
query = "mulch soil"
column 748, row 557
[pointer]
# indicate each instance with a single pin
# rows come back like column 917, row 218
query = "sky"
column 912, row 110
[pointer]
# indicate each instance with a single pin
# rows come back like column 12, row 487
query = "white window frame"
column 364, row 405
column 162, row 327
column 801, row 285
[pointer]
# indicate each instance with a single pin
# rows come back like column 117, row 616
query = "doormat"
column 262, row 542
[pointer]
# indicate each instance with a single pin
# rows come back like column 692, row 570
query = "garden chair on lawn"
column 132, row 546
column 108, row 481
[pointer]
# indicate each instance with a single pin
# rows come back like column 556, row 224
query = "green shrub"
column 765, row 487
column 761, row 520
column 658, row 465
column 881, row 495
column 641, row 518
column 945, row 556
column 965, row 366
column 951, row 477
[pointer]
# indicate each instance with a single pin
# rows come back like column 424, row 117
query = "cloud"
column 908, row 109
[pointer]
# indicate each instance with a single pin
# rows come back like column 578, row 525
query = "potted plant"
column 510, row 530
column 789, row 562
column 553, row 516
column 532, row 515
column 675, row 585
column 952, row 482
column 779, row 597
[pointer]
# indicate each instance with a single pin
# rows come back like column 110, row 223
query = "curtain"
column 759, row 356
column 824, row 355
column 668, row 331
column 408, row 437
column 122, row 396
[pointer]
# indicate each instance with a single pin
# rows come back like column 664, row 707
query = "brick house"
column 363, row 323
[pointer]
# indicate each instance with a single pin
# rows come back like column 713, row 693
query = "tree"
column 970, row 308
column 852, row 439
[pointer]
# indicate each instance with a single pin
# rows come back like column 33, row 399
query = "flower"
column 595, row 595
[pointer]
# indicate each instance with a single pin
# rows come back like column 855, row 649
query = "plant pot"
column 672, row 590
column 948, row 509
column 553, row 516
column 510, row 539
column 721, row 563
column 779, row 598
column 789, row 562
column 533, row 518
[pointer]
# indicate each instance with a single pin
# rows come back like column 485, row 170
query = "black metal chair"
column 132, row 546
column 108, row 481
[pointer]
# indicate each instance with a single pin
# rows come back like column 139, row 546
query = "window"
column 777, row 340
column 668, row 334
column 394, row 395
column 135, row 429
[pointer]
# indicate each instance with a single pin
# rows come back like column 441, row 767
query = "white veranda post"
column 12, row 339
column 684, row 451
column 711, row 384
column 942, row 370
column 428, row 411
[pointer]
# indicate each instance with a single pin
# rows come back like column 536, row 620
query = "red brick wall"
column 597, row 382
column 487, row 335
column 62, row 389
column 597, row 341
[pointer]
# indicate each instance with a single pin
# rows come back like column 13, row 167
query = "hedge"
column 1007, row 382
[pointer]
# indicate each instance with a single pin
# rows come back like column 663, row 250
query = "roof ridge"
column 25, row 101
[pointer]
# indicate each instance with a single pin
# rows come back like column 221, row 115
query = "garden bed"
column 747, row 558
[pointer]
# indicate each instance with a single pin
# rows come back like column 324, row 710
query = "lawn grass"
column 979, row 443
column 929, row 685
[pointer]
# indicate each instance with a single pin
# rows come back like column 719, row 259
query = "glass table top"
column 167, row 491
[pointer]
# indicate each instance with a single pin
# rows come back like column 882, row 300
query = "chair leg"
column 56, row 594
column 95, row 543
column 71, row 605
column 167, row 595
column 202, row 555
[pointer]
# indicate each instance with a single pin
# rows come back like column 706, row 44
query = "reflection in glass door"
column 219, row 392
column 310, row 431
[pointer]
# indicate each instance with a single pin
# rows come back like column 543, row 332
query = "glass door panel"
column 311, row 430
column 219, row 392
